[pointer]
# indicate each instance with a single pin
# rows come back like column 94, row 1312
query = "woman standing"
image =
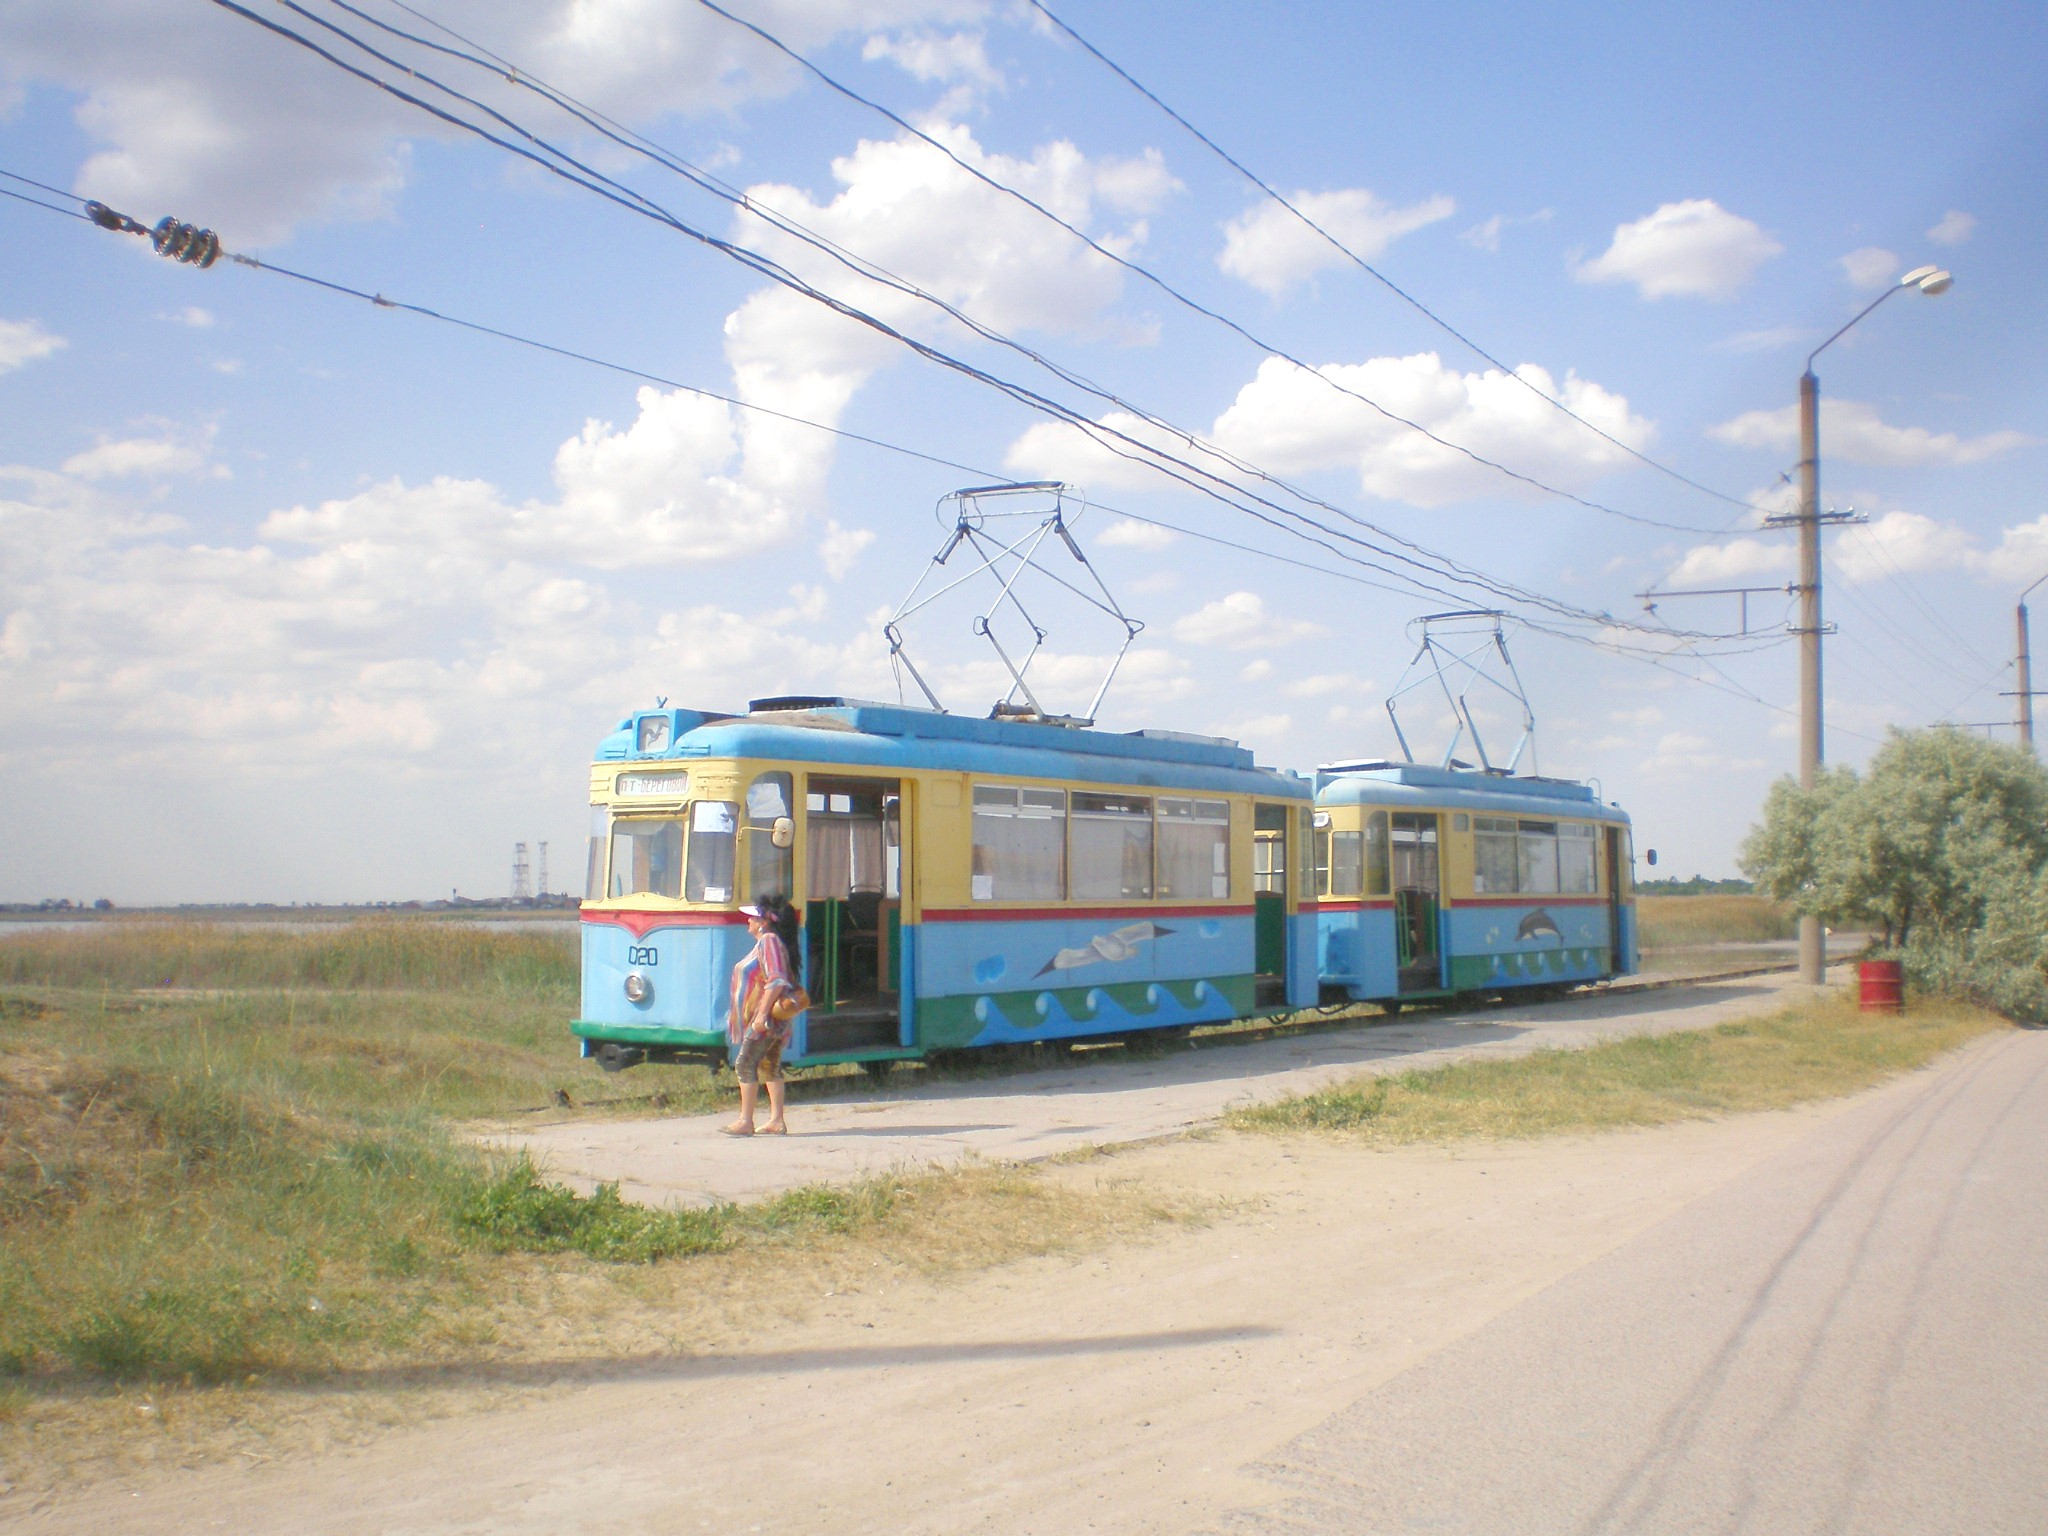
column 765, row 977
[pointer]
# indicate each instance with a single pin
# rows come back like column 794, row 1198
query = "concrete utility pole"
column 2026, row 676
column 2023, row 658
column 1929, row 280
column 1812, row 941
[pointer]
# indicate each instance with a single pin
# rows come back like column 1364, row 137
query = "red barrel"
column 1881, row 986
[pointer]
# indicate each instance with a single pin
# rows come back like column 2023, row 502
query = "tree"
column 1942, row 847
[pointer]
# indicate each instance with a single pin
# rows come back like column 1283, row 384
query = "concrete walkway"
column 1032, row 1115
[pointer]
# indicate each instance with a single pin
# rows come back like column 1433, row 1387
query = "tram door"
column 854, row 864
column 1616, row 867
column 1418, row 894
column 1269, row 902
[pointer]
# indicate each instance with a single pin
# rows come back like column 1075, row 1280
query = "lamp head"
column 1929, row 280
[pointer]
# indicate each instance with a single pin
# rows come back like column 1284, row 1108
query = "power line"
column 1140, row 270
column 1110, row 438
column 499, row 65
column 1352, row 256
column 381, row 301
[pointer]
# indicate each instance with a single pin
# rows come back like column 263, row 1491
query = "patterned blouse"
column 757, row 981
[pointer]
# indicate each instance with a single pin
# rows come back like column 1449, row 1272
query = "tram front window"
column 714, row 835
column 647, row 858
column 768, row 867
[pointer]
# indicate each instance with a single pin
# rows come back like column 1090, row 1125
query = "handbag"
column 789, row 1005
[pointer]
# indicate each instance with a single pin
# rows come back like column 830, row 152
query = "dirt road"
column 1112, row 1101
column 1235, row 1372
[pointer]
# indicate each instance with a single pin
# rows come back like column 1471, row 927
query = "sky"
column 304, row 598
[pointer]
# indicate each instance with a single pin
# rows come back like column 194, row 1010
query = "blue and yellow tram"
column 1434, row 881
column 964, row 882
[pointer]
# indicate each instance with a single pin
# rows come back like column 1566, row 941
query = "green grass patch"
column 519, row 1211
column 1808, row 1052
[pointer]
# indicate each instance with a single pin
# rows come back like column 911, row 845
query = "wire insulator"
column 114, row 219
column 182, row 242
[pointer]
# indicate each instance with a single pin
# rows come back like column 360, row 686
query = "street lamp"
column 1928, row 280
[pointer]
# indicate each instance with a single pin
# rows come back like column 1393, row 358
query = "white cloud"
column 192, row 315
column 1128, row 533
column 1733, row 561
column 1694, row 248
column 25, row 341
column 944, row 57
column 1273, row 250
column 1870, row 268
column 1852, row 431
column 1902, row 541
column 236, row 128
column 672, row 489
column 905, row 206
column 1241, row 622
column 1257, row 671
column 173, row 453
column 396, row 628
column 841, row 547
column 1486, row 236
column 1954, row 228
column 1104, row 460
column 1289, row 421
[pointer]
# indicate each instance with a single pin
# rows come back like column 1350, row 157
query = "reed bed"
column 1665, row 922
column 376, row 954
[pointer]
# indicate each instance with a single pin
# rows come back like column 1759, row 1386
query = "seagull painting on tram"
column 1118, row 944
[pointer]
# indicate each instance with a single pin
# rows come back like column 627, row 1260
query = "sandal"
column 735, row 1130
column 774, row 1130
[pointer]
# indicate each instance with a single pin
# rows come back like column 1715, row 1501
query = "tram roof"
column 1466, row 789
column 857, row 732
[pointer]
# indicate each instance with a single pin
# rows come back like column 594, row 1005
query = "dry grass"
column 368, row 953
column 1812, row 1051
column 1665, row 921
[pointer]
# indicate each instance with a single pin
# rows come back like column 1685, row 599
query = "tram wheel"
column 1390, row 1006
column 877, row 1070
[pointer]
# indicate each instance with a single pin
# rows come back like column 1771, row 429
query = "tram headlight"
column 638, row 987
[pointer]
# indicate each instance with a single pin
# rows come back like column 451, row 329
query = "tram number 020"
column 646, row 956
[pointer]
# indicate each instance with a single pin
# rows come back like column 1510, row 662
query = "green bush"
column 517, row 1211
column 1941, row 848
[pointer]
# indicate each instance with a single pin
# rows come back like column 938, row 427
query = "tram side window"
column 1537, row 847
column 714, row 828
column 1112, row 848
column 1346, row 873
column 593, row 879
column 1194, row 848
column 1378, row 875
column 1494, row 865
column 647, row 858
column 768, row 867
column 1020, row 843
column 1578, row 859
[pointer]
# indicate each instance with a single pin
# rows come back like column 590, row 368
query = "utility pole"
column 2026, row 689
column 1927, row 280
column 2024, row 667
column 1812, row 942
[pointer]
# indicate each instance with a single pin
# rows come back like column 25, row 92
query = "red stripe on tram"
column 640, row 924
column 1043, row 914
column 1527, row 899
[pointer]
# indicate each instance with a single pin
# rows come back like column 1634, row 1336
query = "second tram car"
column 1435, row 881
